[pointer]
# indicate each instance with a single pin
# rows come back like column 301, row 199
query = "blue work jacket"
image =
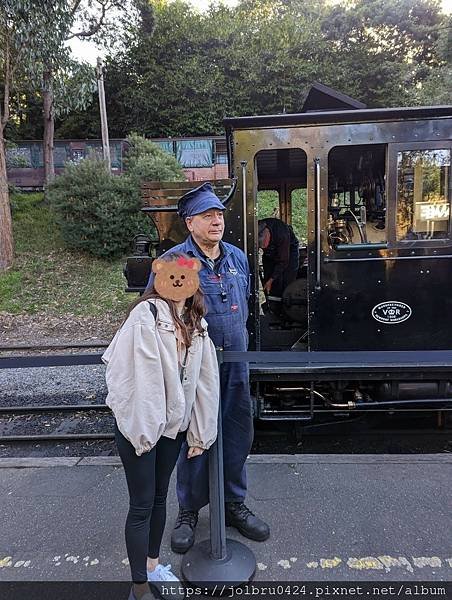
column 226, row 291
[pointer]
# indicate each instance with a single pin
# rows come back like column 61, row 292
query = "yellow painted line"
column 6, row 562
column 391, row 561
column 330, row 563
column 384, row 562
column 378, row 563
column 366, row 563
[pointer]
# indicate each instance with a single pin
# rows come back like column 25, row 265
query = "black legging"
column 148, row 478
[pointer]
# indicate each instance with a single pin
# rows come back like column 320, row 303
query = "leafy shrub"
column 146, row 161
column 99, row 212
column 94, row 209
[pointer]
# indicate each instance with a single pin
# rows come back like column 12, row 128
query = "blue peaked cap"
column 198, row 200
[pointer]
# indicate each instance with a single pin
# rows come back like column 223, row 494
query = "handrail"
column 318, row 241
column 245, row 241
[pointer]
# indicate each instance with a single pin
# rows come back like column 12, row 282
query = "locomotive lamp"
column 138, row 267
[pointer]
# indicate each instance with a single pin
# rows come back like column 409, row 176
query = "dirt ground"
column 43, row 329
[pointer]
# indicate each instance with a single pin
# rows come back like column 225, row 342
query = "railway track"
column 35, row 348
column 87, row 430
column 46, row 423
column 67, row 429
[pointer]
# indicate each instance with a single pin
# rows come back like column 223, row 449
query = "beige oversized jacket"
column 144, row 388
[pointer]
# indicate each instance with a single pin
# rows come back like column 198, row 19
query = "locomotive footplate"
column 274, row 366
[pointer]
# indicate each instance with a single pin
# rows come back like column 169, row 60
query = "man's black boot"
column 183, row 534
column 238, row 515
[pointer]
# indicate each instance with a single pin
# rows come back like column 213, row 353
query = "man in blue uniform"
column 224, row 279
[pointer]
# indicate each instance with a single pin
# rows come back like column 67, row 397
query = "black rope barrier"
column 50, row 360
column 440, row 359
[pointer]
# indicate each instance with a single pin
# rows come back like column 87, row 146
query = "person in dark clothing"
column 280, row 257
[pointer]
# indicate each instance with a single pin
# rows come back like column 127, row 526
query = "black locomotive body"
column 376, row 268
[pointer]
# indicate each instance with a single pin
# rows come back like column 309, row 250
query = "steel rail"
column 55, row 437
column 10, row 347
column 21, row 410
column 110, row 436
column 54, row 408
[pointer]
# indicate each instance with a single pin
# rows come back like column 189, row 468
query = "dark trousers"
column 237, row 416
column 148, row 478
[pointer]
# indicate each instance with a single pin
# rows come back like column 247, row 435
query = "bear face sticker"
column 176, row 279
column 391, row 312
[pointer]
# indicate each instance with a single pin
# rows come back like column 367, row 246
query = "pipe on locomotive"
column 349, row 404
column 363, row 406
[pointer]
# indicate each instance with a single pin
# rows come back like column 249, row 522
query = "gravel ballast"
column 53, row 385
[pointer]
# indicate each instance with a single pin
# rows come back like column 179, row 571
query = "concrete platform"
column 333, row 518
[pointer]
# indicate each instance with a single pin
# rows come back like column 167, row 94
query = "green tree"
column 145, row 161
column 380, row 50
column 261, row 57
column 59, row 75
column 180, row 72
column 437, row 86
column 22, row 44
column 196, row 69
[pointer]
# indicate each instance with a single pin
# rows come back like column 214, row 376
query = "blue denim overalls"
column 226, row 291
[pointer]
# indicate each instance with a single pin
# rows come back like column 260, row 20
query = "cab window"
column 423, row 194
column 357, row 196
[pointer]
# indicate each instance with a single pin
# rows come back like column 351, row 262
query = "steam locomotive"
column 368, row 318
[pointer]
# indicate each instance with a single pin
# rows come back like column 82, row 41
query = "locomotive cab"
column 367, row 193
column 370, row 205
column 356, row 218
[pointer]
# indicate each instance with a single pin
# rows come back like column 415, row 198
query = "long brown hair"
column 195, row 307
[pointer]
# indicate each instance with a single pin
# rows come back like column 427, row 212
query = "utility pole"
column 103, row 113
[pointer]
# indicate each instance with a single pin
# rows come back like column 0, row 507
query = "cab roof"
column 332, row 117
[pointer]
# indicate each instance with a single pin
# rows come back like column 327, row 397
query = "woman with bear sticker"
column 163, row 387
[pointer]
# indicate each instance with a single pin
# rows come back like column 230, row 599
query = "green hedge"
column 98, row 212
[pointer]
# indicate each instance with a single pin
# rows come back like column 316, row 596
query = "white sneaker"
column 163, row 582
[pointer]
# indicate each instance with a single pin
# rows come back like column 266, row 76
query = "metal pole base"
column 200, row 569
